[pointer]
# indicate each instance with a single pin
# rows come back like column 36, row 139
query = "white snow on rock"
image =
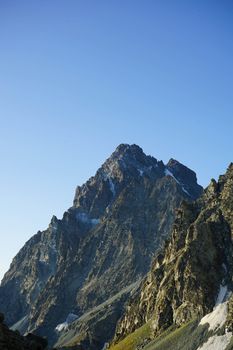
column 167, row 172
column 216, row 320
column 146, row 169
column 112, row 186
column 217, row 317
column 63, row 326
column 222, row 295
column 184, row 190
column 85, row 219
column 108, row 176
column 141, row 172
column 217, row 342
column 95, row 221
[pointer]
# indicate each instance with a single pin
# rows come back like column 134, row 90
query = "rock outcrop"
column 194, row 271
column 105, row 242
column 10, row 340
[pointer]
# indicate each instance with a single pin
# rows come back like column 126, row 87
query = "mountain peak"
column 128, row 160
column 176, row 166
column 184, row 175
column 127, row 152
column 127, row 163
column 125, row 147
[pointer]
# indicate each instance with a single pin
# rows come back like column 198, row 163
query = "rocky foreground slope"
column 185, row 301
column 84, row 267
column 10, row 340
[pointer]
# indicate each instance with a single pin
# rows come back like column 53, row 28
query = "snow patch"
column 108, row 176
column 95, row 221
column 141, row 172
column 217, row 317
column 222, row 295
column 167, row 172
column 112, row 186
column 184, row 190
column 216, row 320
column 63, row 326
column 83, row 217
column 146, row 169
column 217, row 342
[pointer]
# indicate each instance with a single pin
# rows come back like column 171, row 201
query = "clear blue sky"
column 79, row 77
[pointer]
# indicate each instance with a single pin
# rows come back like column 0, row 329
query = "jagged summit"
column 126, row 148
column 176, row 167
column 126, row 163
column 129, row 160
column 131, row 153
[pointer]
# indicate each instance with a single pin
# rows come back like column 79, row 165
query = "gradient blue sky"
column 79, row 77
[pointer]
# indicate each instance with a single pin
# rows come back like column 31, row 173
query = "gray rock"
column 185, row 277
column 105, row 242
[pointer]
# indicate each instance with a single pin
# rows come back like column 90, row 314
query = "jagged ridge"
column 104, row 242
column 193, row 268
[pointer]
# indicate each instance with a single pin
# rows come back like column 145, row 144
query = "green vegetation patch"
column 134, row 339
column 188, row 337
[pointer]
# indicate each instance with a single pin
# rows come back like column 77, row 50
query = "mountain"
column 73, row 279
column 185, row 301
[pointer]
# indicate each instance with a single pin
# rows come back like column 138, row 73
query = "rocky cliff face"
column 194, row 271
column 104, row 242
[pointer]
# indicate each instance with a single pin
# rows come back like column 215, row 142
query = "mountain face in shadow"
column 89, row 262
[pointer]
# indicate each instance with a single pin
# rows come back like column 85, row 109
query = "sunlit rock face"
column 192, row 275
column 104, row 243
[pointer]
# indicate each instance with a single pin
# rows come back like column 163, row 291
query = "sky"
column 77, row 78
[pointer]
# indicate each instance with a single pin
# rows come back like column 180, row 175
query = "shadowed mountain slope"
column 103, row 244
